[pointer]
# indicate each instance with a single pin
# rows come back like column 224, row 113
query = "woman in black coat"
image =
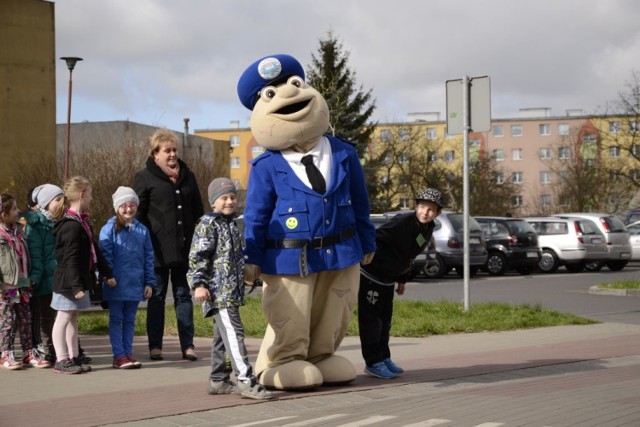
column 170, row 206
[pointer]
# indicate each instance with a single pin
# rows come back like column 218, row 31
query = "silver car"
column 572, row 242
column 634, row 239
column 616, row 236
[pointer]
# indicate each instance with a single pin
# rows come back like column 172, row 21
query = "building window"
column 432, row 133
column 404, row 134
column 517, row 201
column 545, row 153
column 517, row 177
column 235, row 162
column 614, row 152
column 498, row 131
column 498, row 154
column 234, row 140
column 635, row 174
column 516, row 130
column 403, row 159
column 545, row 177
column 614, row 127
column 564, row 153
column 449, row 156
column 404, row 203
column 499, row 178
column 563, row 176
column 516, row 154
column 545, row 129
column 614, row 175
column 387, row 159
column 432, row 156
column 634, row 150
column 590, row 163
column 385, row 135
column 634, row 127
column 256, row 151
column 545, row 200
column 563, row 129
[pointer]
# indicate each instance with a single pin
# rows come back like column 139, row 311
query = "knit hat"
column 124, row 195
column 45, row 193
column 220, row 187
column 430, row 195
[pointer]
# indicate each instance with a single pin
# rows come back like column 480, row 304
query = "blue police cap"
column 264, row 72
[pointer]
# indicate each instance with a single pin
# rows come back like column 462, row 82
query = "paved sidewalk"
column 161, row 391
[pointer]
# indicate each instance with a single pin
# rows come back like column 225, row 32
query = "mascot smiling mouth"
column 293, row 108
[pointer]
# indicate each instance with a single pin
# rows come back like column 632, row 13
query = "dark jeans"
column 181, row 301
column 375, row 309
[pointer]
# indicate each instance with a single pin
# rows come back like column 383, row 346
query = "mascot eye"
column 296, row 81
column 268, row 93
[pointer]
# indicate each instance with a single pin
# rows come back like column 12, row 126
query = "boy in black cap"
column 398, row 243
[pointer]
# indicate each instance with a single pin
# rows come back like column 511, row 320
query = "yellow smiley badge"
column 291, row 223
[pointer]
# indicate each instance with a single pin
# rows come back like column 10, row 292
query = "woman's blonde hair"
column 73, row 189
column 161, row 136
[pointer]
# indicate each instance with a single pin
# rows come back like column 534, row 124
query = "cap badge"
column 269, row 68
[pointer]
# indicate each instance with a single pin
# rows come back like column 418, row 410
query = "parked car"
column 512, row 243
column 447, row 252
column 571, row 242
column 632, row 216
column 617, row 239
column 634, row 240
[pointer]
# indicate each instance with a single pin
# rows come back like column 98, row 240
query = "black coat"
column 73, row 256
column 398, row 243
column 170, row 212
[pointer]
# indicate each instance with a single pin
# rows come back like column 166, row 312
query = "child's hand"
column 400, row 289
column 148, row 291
column 80, row 295
column 202, row 294
column 251, row 273
column 111, row 282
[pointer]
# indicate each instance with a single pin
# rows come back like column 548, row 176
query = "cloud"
column 158, row 61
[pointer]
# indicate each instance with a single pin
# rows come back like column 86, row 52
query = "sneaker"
column 8, row 361
column 252, row 390
column 392, row 367
column 84, row 358
column 51, row 358
column 66, row 367
column 136, row 364
column 78, row 361
column 41, row 350
column 33, row 359
column 122, row 362
column 220, row 387
column 379, row 370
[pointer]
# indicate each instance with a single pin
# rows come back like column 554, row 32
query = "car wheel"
column 549, row 262
column 616, row 265
column 575, row 268
column 473, row 270
column 496, row 264
column 594, row 266
column 436, row 268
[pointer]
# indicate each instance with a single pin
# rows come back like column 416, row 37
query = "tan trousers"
column 308, row 316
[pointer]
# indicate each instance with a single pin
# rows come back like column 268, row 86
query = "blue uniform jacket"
column 280, row 205
column 129, row 253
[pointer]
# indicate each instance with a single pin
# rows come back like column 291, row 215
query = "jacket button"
column 327, row 222
column 179, row 222
column 179, row 206
column 328, row 251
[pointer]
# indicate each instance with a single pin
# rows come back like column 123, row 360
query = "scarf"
column 172, row 173
column 83, row 218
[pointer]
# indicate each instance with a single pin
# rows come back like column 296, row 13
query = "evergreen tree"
column 350, row 107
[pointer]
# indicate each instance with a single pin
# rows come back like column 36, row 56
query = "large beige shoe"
column 293, row 376
column 336, row 370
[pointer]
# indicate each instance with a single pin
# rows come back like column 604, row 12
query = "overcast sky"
column 158, row 61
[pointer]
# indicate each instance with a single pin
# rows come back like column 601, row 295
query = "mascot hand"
column 367, row 258
column 251, row 273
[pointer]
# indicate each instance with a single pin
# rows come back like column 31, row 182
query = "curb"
column 614, row 292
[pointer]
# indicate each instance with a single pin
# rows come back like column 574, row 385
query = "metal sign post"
column 468, row 109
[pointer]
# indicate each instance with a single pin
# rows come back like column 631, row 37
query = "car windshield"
column 457, row 221
column 520, row 226
column 615, row 225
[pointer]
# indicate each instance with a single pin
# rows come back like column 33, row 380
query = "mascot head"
column 287, row 113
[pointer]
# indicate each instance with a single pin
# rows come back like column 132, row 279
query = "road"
column 561, row 291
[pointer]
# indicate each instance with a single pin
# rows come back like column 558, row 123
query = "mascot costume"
column 307, row 228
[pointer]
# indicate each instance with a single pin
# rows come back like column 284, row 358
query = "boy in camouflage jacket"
column 216, row 273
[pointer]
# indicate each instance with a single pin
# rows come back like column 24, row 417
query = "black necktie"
column 313, row 173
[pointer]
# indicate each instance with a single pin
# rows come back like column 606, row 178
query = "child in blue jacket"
column 126, row 245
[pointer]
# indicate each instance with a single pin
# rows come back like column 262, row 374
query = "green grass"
column 622, row 284
column 410, row 319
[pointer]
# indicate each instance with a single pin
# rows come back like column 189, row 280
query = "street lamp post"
column 71, row 63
